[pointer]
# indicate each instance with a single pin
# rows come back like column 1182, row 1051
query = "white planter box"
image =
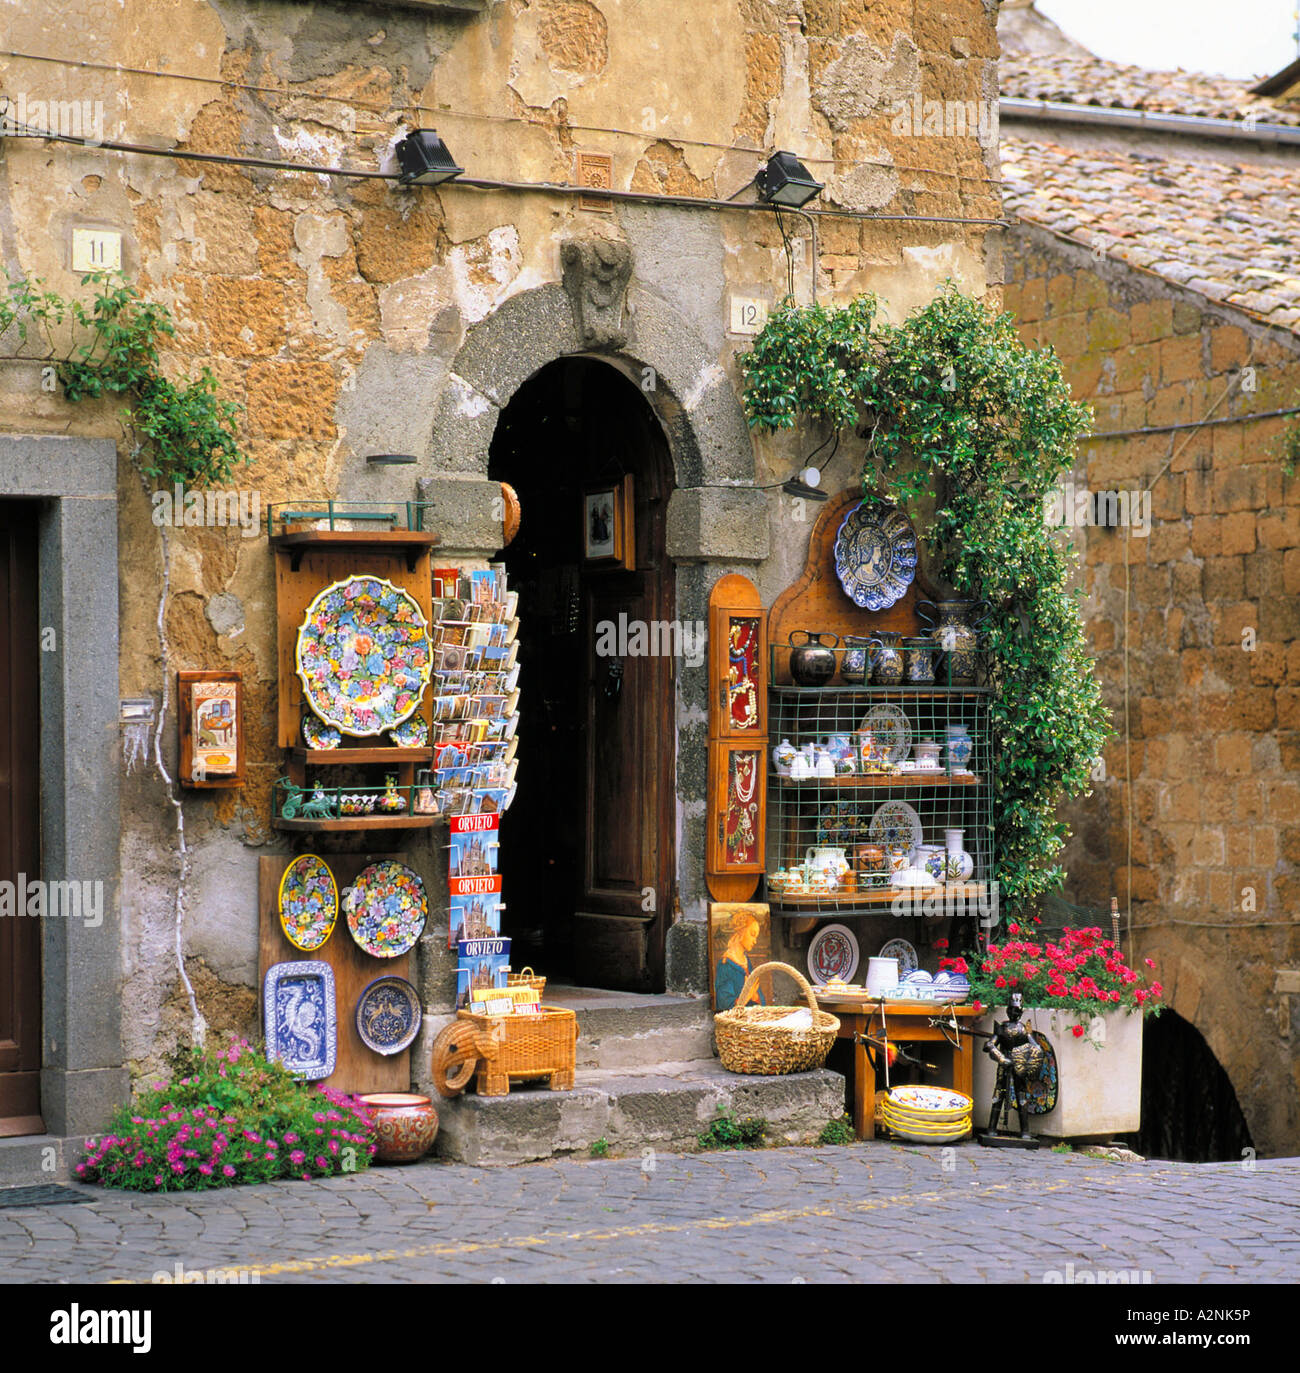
column 1100, row 1075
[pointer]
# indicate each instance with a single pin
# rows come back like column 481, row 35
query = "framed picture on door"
column 608, row 525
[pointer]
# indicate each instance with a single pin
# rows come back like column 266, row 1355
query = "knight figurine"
column 1019, row 1060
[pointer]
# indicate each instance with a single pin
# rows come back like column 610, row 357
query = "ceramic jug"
column 853, row 665
column 812, row 663
column 960, row 864
column 954, row 632
column 827, row 860
column 918, row 661
column 886, row 660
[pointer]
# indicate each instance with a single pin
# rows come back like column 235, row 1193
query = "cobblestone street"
column 783, row 1216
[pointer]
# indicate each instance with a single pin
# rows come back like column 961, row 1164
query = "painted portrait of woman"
column 738, row 960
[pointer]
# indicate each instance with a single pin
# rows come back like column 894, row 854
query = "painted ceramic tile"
column 216, row 723
column 740, row 940
column 300, row 1018
column 364, row 655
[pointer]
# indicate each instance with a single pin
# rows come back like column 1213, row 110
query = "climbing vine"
column 957, row 408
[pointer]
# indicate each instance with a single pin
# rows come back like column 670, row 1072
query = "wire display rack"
column 875, row 793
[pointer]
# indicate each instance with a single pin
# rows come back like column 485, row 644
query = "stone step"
column 28, row 1160
column 628, row 1030
column 665, row 1105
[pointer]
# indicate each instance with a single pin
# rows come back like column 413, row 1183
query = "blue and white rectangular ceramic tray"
column 300, row 1017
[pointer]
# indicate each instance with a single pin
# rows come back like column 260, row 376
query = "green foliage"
column 1062, row 1149
column 958, row 409
column 229, row 1116
column 1291, row 448
column 837, row 1131
column 187, row 433
column 600, row 1148
column 726, row 1132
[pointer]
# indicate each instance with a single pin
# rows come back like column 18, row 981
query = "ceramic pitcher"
column 954, row 632
column 886, row 660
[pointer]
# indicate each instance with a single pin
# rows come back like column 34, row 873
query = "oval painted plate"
column 875, row 555
column 388, row 1015
column 833, row 953
column 890, row 731
column 386, row 908
column 905, row 953
column 896, row 823
column 309, row 902
column 318, row 734
column 413, row 733
column 363, row 655
column 1041, row 1093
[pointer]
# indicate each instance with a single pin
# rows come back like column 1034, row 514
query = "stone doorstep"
column 664, row 1105
column 619, row 1030
column 23, row 1159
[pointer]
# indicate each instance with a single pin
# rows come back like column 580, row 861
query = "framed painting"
column 740, row 940
column 608, row 525
column 211, row 720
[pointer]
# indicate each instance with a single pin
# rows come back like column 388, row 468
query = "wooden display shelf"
column 910, row 693
column 937, row 778
column 327, row 757
column 412, row 542
column 843, row 903
column 347, row 824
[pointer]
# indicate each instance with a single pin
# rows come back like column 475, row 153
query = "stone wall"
column 1213, row 649
column 342, row 313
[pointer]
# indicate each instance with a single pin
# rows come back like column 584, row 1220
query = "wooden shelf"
column 349, row 823
column 893, row 779
column 843, row 903
column 905, row 692
column 354, row 538
column 337, row 757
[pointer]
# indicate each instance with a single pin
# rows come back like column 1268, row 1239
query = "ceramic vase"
column 782, row 756
column 933, row 858
column 953, row 630
column 405, row 1125
column 886, row 660
column 960, row 746
column 812, row 663
column 960, row 865
column 918, row 661
column 853, row 665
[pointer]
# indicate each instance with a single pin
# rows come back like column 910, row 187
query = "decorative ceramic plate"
column 318, row 734
column 930, row 1099
column 896, row 823
column 386, row 908
column 905, row 953
column 300, row 1019
column 889, row 731
column 1041, row 1093
column 388, row 1015
column 833, row 953
column 841, row 822
column 309, row 902
column 412, row 733
column 875, row 555
column 363, row 655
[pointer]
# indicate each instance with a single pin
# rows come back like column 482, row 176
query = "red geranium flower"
column 1077, row 1032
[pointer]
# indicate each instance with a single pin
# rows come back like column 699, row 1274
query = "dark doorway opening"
column 20, row 846
column 587, row 847
column 1190, row 1111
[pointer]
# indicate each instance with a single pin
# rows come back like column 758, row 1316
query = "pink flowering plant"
column 1081, row 971
column 228, row 1116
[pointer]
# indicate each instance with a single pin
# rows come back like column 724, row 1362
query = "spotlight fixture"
column 805, row 485
column 391, row 459
column 425, row 160
column 785, row 181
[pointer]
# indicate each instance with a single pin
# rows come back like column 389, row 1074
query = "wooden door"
column 628, row 864
column 20, row 935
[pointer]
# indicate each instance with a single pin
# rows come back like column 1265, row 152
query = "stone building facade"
column 349, row 316
column 1157, row 262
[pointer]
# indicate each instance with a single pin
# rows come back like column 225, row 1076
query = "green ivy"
column 958, row 409
column 186, row 432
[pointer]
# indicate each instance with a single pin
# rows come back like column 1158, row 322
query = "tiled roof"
column 1075, row 80
column 1227, row 230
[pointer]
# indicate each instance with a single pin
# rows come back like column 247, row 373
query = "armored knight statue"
column 1020, row 1060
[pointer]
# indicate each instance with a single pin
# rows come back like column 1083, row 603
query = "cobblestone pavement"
column 783, row 1215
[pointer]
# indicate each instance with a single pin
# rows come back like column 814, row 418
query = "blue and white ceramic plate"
column 388, row 1015
column 904, row 952
column 875, row 555
column 300, row 1018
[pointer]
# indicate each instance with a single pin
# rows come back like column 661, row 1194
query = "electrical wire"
column 1191, row 424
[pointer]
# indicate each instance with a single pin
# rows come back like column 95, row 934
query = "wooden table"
column 907, row 1022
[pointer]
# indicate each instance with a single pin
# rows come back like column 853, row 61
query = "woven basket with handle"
column 749, row 1041
column 526, row 978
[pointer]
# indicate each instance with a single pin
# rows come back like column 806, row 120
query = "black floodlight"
column 785, row 181
column 424, row 159
column 806, row 485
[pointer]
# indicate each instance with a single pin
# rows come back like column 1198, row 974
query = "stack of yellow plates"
column 927, row 1115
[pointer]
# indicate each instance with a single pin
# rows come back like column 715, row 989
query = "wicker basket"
column 526, row 978
column 748, row 1041
column 530, row 1046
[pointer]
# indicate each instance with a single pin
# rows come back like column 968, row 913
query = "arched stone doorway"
column 587, row 849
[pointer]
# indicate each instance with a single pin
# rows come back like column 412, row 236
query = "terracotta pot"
column 405, row 1125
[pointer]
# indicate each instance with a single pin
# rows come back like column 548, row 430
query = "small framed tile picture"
column 609, row 525
column 210, row 710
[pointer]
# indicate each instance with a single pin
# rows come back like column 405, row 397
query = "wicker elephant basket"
column 750, row 1040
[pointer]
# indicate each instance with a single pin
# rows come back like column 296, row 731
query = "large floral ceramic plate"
column 300, row 1018
column 896, row 823
column 875, row 555
column 309, row 902
column 386, row 908
column 889, row 730
column 832, row 953
column 363, row 655
column 388, row 1015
